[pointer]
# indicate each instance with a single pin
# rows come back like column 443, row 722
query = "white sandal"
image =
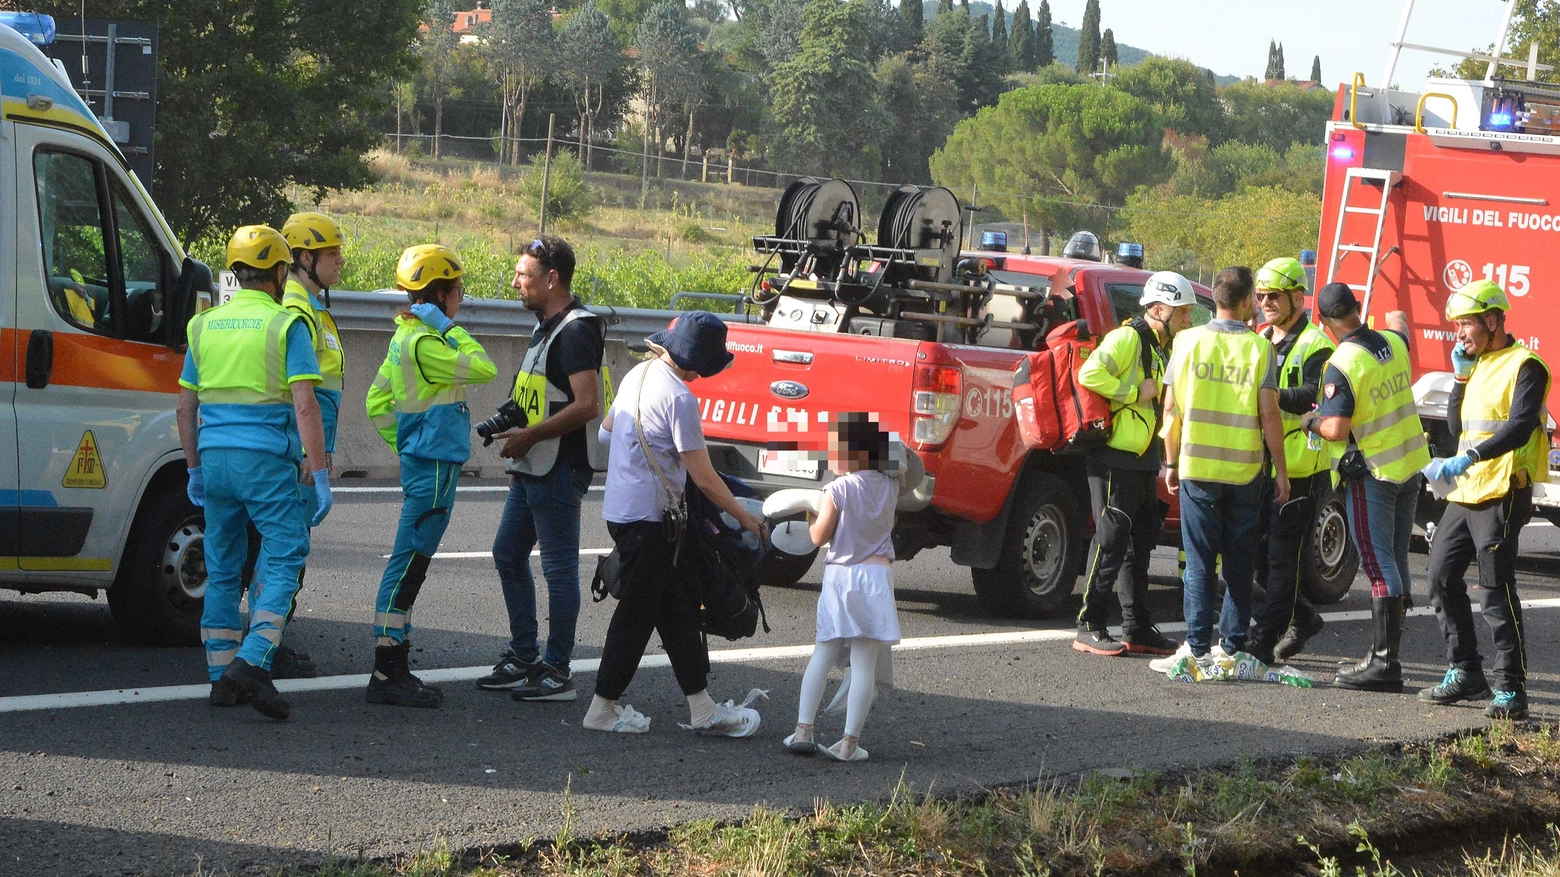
column 800, row 747
column 629, row 721
column 834, row 752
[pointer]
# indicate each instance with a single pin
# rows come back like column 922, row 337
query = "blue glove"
column 1462, row 363
column 197, row 487
column 322, row 493
column 1455, row 467
column 432, row 316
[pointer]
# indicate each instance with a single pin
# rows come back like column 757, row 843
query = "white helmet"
column 1167, row 287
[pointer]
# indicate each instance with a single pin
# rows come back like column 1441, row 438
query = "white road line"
column 467, row 555
column 470, row 488
column 114, row 697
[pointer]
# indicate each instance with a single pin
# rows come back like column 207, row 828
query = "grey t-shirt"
column 669, row 417
column 865, row 501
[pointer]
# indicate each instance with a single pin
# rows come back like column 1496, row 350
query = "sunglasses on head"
column 538, row 251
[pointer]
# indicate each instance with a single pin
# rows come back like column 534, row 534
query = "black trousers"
column 1284, row 538
column 1128, row 519
column 656, row 596
column 1485, row 534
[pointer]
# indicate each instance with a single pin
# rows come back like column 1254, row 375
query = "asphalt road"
column 165, row 787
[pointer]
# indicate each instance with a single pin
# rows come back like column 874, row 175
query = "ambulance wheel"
column 158, row 595
column 781, row 570
column 1042, row 552
column 1328, row 571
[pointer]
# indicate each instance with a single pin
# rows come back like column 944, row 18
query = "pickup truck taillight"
column 937, row 391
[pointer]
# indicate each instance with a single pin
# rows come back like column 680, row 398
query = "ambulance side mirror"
column 194, row 278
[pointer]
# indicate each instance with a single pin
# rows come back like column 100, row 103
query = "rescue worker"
column 246, row 406
column 1368, row 411
column 1284, row 622
column 559, row 391
column 418, row 404
column 1497, row 411
column 1221, row 408
column 1127, row 368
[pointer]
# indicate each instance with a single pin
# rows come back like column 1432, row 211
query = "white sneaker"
column 628, row 721
column 1163, row 665
column 732, row 719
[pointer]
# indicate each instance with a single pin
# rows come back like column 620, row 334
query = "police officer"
column 560, row 392
column 1368, row 402
column 418, row 404
column 1126, row 368
column 1221, row 409
column 246, row 406
column 1496, row 409
column 1302, row 350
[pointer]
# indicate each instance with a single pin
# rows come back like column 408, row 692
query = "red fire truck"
column 1427, row 191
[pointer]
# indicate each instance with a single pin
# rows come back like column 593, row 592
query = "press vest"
column 1299, row 458
column 1385, row 425
column 322, row 328
column 1217, row 385
column 240, row 350
column 539, row 399
column 1486, row 408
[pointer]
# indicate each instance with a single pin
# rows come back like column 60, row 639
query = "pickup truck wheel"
column 781, row 570
column 1329, row 568
column 1042, row 552
column 158, row 594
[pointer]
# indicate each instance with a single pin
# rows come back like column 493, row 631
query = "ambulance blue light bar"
column 37, row 28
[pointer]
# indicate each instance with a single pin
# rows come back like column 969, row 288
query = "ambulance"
column 95, row 294
column 1426, row 191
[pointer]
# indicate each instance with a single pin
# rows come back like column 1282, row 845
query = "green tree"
column 1021, row 39
column 1278, row 66
column 1276, row 115
column 1185, row 95
column 999, row 38
column 591, row 58
column 438, row 45
column 668, row 63
column 1272, row 62
column 1316, row 68
column 822, row 122
column 1089, row 39
column 1243, row 228
column 1530, row 21
column 521, row 50
column 914, row 15
column 1108, row 49
column 626, row 16
column 1052, row 151
column 906, row 91
column 1045, row 44
column 944, row 6
column 958, row 47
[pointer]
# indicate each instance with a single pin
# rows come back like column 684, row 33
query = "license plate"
column 791, row 464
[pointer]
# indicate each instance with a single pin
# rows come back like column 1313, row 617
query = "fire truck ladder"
column 1385, row 179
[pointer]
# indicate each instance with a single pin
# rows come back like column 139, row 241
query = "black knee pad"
column 1115, row 529
column 411, row 582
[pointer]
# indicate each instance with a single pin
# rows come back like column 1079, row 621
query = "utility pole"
column 546, row 172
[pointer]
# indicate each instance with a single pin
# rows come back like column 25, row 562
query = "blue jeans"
column 1219, row 520
column 545, row 509
column 1381, row 521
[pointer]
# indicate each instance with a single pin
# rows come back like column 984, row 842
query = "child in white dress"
column 856, row 613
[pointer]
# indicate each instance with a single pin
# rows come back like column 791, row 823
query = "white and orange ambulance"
column 95, row 292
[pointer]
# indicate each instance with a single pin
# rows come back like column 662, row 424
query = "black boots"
column 243, row 683
column 289, row 663
column 1381, row 670
column 394, row 684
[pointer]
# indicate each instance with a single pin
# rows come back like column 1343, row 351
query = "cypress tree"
column 1278, row 68
column 1045, row 47
column 999, row 39
column 1272, row 59
column 1316, row 68
column 1089, row 39
column 944, row 6
column 914, row 16
column 1021, row 39
column 1108, row 48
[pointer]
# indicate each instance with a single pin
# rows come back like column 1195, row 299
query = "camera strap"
column 674, row 507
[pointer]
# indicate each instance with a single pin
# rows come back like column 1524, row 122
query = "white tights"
column 863, row 680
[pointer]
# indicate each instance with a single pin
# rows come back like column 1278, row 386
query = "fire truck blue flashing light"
column 995, row 241
column 1499, row 120
column 38, row 29
column 1342, row 153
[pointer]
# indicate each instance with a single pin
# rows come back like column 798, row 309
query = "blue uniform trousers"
column 428, row 495
column 244, row 487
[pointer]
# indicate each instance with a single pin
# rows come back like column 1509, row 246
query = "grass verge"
column 1331, row 816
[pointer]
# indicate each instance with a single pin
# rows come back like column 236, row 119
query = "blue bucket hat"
column 696, row 341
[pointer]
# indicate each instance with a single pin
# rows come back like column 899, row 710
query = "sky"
column 1231, row 36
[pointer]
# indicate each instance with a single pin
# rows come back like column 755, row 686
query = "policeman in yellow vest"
column 1497, row 412
column 1128, row 517
column 1285, row 621
column 1221, row 411
column 1368, row 411
column 559, row 396
column 246, row 406
column 418, row 404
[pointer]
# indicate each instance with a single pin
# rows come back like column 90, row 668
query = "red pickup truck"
column 1019, row 519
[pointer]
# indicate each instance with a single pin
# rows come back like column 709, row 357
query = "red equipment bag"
column 1055, row 412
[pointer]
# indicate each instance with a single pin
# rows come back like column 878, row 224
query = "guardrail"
column 489, row 316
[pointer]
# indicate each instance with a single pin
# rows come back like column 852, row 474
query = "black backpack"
column 717, row 556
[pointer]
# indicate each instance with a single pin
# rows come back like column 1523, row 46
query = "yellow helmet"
column 425, row 263
column 312, row 231
column 258, row 246
column 1283, row 274
column 1477, row 298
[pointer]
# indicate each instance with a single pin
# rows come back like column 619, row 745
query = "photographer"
column 549, row 438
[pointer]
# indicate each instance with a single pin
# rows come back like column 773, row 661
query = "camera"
column 508, row 416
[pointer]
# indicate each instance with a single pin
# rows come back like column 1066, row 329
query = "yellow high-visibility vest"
column 1115, row 371
column 1216, row 388
column 322, row 328
column 1385, row 424
column 1299, row 458
column 240, row 350
column 1486, row 408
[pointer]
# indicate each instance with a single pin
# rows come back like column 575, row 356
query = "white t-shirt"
column 670, row 420
column 865, row 501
